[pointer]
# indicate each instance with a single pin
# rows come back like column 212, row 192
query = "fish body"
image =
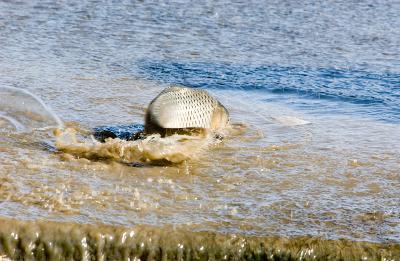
column 180, row 108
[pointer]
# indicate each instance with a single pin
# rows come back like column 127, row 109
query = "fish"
column 179, row 108
column 176, row 110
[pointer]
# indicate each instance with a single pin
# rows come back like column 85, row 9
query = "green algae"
column 48, row 240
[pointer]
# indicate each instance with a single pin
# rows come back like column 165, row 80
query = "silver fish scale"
column 178, row 107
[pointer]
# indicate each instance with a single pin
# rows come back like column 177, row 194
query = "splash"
column 154, row 148
column 22, row 111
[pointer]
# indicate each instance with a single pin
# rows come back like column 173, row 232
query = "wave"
column 52, row 240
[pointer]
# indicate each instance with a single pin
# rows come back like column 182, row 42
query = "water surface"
column 276, row 66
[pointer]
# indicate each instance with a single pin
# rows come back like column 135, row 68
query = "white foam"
column 290, row 120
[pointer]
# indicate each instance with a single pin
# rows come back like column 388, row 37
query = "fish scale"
column 181, row 107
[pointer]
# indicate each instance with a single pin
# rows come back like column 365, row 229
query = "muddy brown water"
column 54, row 241
column 282, row 177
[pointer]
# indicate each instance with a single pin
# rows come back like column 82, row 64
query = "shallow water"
column 312, row 89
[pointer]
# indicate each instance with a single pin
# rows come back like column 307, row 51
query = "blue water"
column 372, row 94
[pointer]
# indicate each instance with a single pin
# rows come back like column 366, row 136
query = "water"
column 312, row 89
column 358, row 92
